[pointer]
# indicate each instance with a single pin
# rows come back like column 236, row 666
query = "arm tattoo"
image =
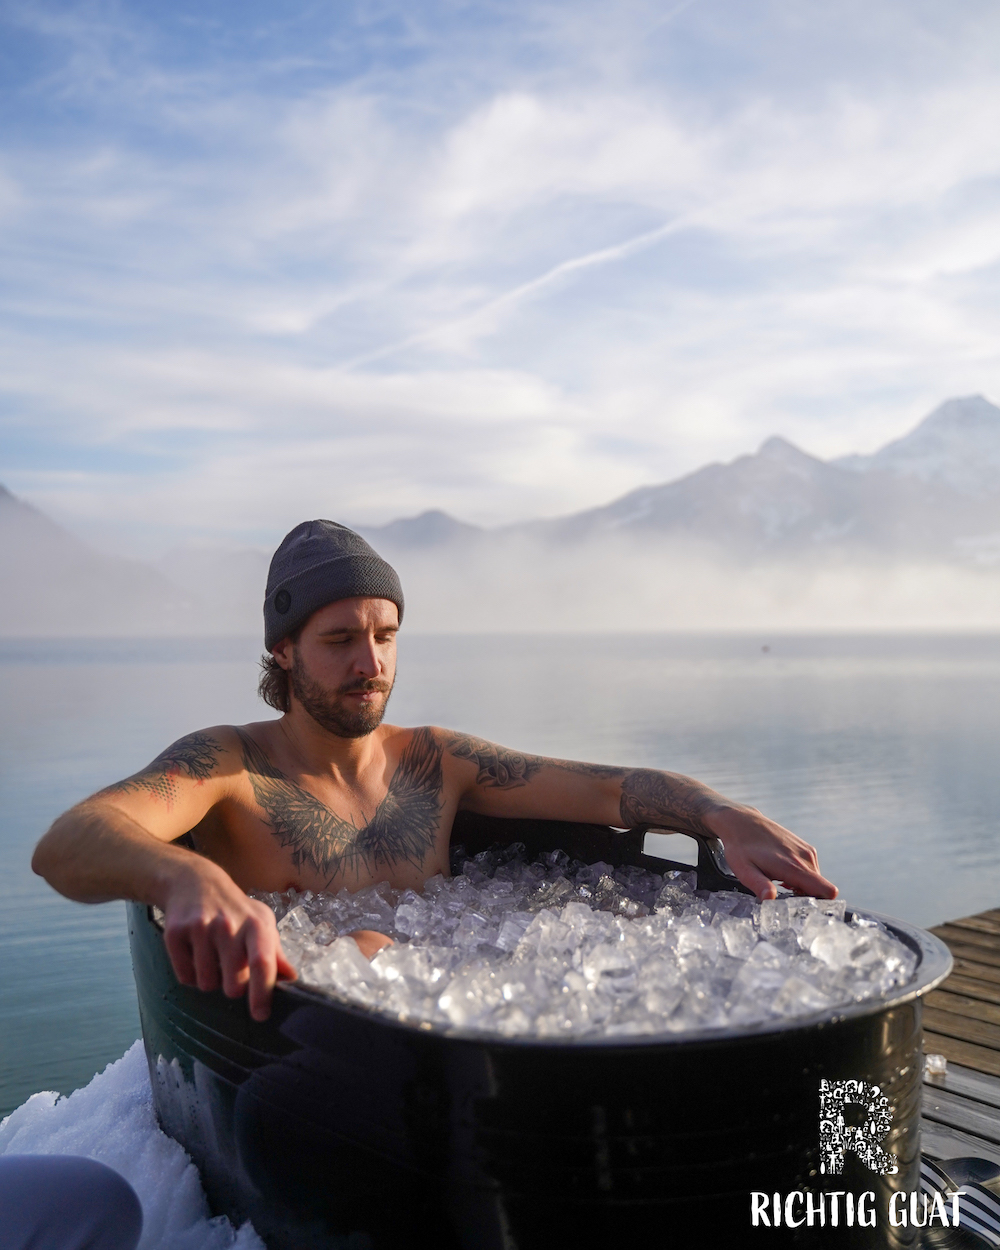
column 193, row 756
column 648, row 797
column 498, row 768
column 501, row 769
column 403, row 827
column 668, row 799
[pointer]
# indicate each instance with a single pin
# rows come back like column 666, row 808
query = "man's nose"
column 366, row 660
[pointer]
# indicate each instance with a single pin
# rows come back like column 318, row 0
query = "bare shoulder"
column 198, row 757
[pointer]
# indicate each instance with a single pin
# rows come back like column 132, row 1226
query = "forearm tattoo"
column 193, row 756
column 650, row 797
column 403, row 827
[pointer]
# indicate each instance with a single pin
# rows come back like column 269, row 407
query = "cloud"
column 500, row 259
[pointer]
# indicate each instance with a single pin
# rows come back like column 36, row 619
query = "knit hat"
column 317, row 563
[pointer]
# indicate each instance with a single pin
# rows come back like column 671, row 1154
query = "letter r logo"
column 865, row 1141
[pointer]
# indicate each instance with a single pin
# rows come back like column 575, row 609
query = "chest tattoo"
column 403, row 827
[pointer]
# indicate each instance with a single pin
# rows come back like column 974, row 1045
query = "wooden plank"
column 942, row 1142
column 971, row 988
column 981, row 972
column 977, row 924
column 960, row 1005
column 964, row 933
column 985, row 949
column 981, row 1058
column 978, row 1031
column 961, row 1113
column 977, row 954
column 970, row 1084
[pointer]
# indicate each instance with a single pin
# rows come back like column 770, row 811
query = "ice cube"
column 474, row 929
column 471, row 997
column 693, row 936
column 935, row 1065
column 738, row 935
column 296, row 922
column 725, row 902
column 797, row 997
column 608, row 969
column 343, row 967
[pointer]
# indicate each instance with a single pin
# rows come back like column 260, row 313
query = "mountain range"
column 909, row 535
column 934, row 493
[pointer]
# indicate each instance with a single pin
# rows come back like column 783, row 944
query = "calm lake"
column 879, row 750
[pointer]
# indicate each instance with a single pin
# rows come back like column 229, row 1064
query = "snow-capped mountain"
column 958, row 445
column 933, row 494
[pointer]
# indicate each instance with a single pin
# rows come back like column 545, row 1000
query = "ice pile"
column 556, row 948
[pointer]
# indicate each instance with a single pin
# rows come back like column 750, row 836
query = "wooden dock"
column 961, row 1110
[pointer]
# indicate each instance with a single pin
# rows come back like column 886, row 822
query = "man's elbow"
column 50, row 850
column 57, row 857
column 39, row 860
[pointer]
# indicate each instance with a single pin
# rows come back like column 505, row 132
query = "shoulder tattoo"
column 194, row 756
column 497, row 768
column 404, row 826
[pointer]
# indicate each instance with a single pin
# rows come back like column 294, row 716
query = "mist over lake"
column 879, row 750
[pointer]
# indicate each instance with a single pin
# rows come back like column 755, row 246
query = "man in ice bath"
column 329, row 796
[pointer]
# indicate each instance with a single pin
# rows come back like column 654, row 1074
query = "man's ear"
column 282, row 652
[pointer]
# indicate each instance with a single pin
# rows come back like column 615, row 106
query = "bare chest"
column 283, row 833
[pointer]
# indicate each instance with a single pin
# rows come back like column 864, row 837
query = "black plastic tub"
column 331, row 1126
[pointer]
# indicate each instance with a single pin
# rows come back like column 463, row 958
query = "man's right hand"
column 218, row 937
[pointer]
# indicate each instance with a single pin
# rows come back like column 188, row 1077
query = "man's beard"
column 332, row 711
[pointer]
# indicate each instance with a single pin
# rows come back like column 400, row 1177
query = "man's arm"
column 117, row 844
column 499, row 782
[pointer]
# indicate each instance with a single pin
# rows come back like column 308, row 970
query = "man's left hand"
column 760, row 852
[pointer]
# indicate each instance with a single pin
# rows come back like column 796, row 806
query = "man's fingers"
column 755, row 880
column 206, row 959
column 806, row 882
column 803, row 876
column 233, row 959
column 262, row 958
column 179, row 949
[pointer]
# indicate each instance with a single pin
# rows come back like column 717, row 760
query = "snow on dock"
column 112, row 1120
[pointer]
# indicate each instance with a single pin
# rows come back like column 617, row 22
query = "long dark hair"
column 273, row 686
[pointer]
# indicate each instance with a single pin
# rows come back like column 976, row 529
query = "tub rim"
column 934, row 964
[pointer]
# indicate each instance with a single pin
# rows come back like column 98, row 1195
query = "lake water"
column 881, row 751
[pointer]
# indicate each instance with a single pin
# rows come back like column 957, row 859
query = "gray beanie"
column 317, row 563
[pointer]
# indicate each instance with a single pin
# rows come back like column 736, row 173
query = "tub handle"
column 713, row 869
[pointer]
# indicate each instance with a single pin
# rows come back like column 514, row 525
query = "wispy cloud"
column 504, row 259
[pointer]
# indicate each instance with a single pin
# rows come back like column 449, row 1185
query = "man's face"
column 343, row 666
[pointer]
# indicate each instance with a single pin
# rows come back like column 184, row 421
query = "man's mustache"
column 366, row 685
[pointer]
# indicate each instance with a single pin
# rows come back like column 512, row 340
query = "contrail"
column 603, row 256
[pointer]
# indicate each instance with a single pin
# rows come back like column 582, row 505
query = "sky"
column 359, row 259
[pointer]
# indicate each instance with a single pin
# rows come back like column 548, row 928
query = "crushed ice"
column 555, row 948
